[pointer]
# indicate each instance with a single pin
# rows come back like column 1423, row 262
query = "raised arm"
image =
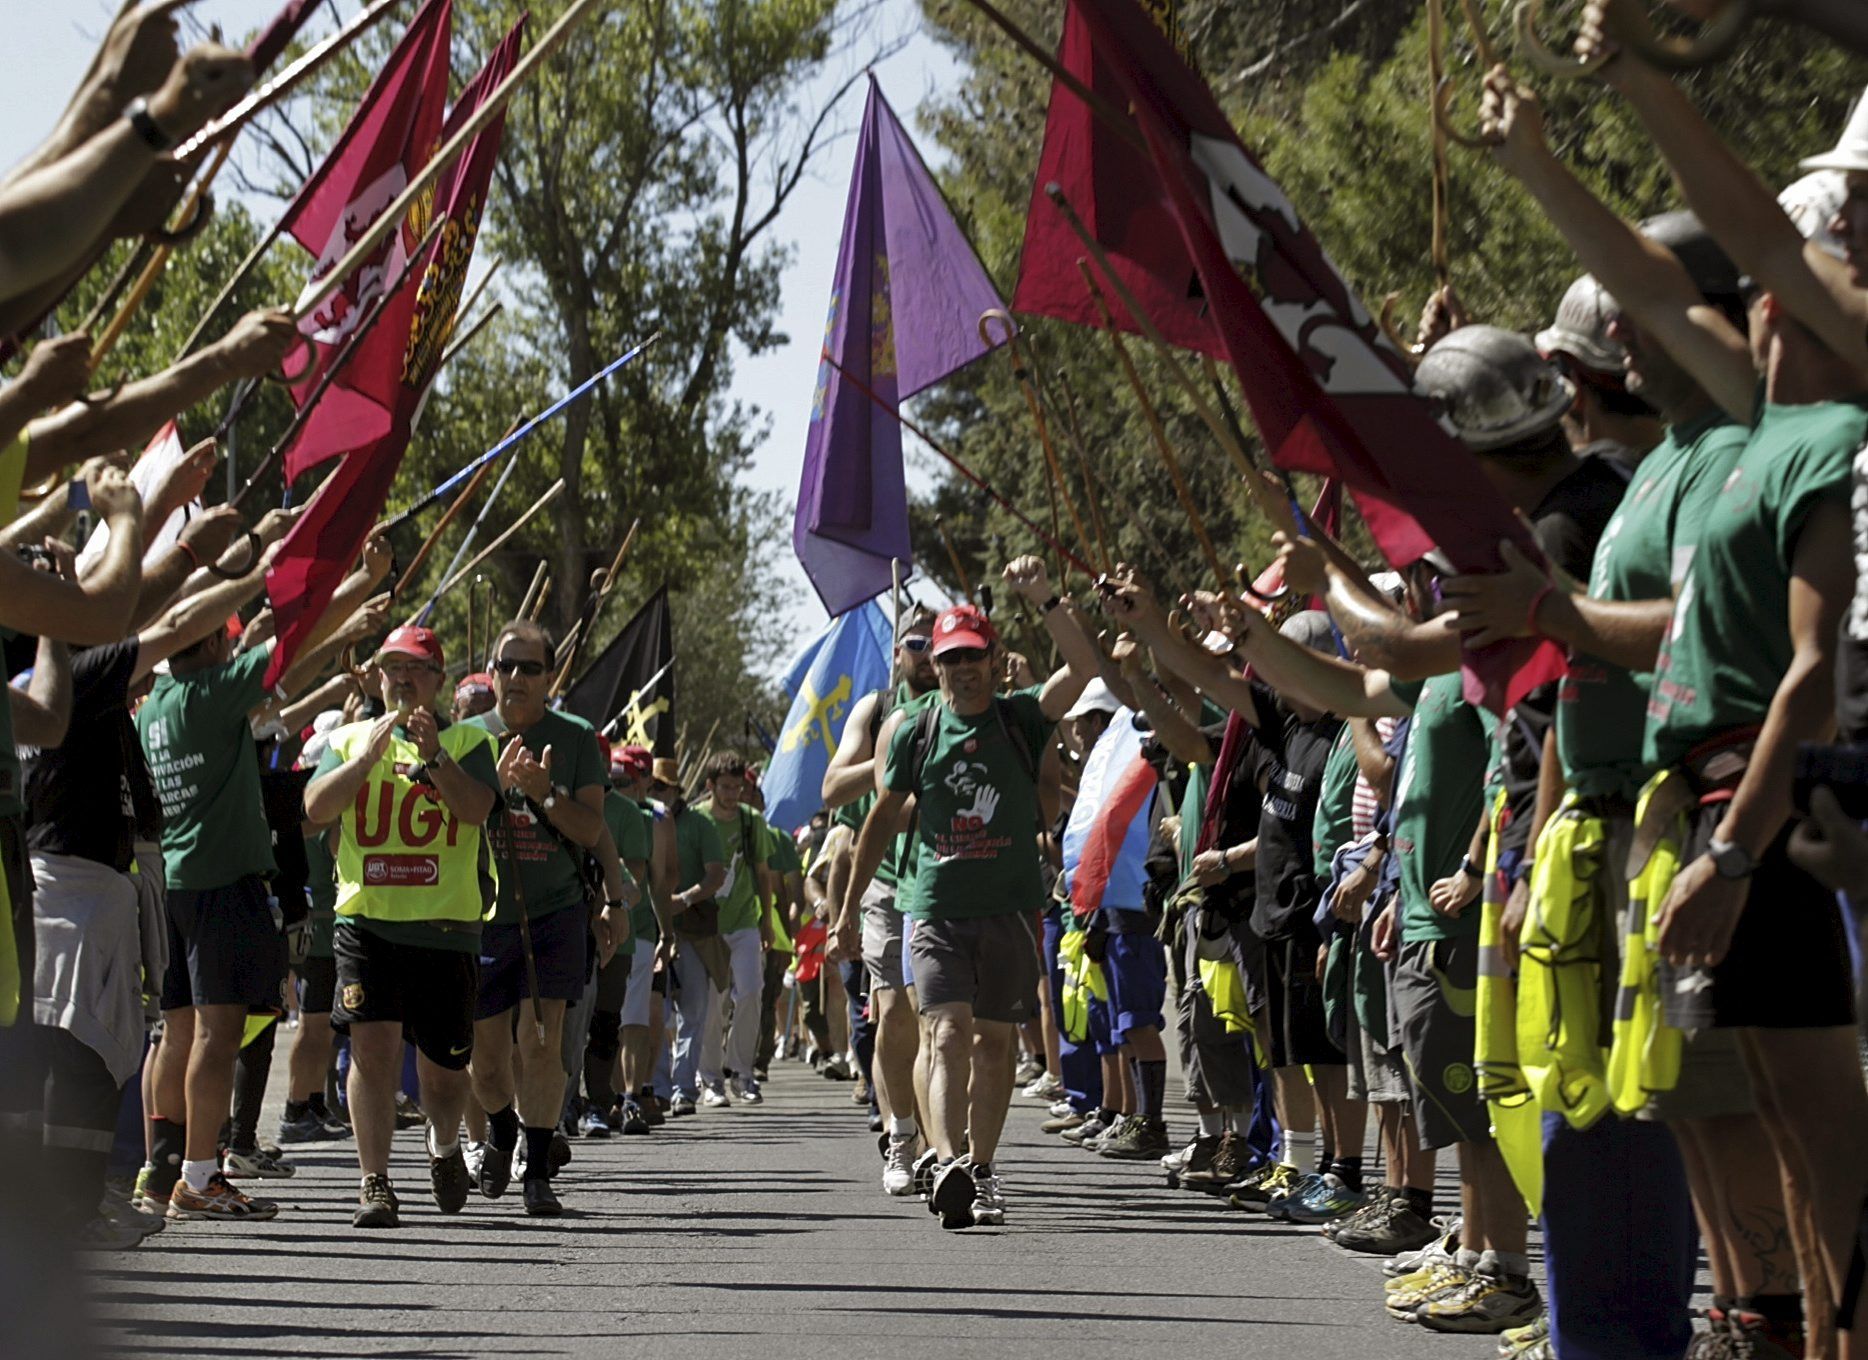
column 1082, row 659
column 97, row 608
column 852, row 770
column 1178, row 733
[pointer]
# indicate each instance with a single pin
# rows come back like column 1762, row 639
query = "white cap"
column 322, row 726
column 1851, row 153
column 1813, row 202
column 1096, row 698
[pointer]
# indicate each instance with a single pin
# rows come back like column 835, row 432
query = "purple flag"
column 904, row 313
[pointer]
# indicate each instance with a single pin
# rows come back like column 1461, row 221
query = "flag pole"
column 1081, row 449
column 434, row 536
column 473, row 530
column 1118, row 122
column 1155, row 428
column 490, row 107
column 958, row 466
column 551, row 494
column 953, row 557
column 602, row 583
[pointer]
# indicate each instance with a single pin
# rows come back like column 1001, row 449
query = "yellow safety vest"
column 1083, row 979
column 1517, row 1124
column 402, row 855
column 1560, row 1044
column 1644, row 1055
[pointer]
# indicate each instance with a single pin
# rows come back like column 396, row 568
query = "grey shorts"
column 882, row 937
column 1377, row 1075
column 1218, row 1065
column 1433, row 997
column 989, row 963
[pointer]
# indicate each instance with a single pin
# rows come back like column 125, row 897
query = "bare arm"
column 1373, row 762
column 96, row 609
column 42, row 711
column 1176, row 732
column 871, row 845
column 851, row 773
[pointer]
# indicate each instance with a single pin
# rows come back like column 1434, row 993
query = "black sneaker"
column 923, row 1172
column 376, row 1205
column 541, row 1201
column 449, row 1180
column 560, row 1152
column 495, row 1171
column 634, row 1119
column 654, row 1113
column 307, row 1127
column 951, row 1199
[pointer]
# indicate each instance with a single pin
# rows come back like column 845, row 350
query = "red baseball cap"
column 635, row 760
column 478, row 682
column 964, row 625
column 409, row 640
column 603, row 749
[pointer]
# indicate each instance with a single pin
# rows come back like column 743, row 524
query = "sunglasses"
column 916, row 644
column 961, row 656
column 513, row 666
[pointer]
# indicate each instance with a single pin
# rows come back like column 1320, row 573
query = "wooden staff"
column 551, row 494
column 466, row 337
column 1074, row 429
column 434, row 536
column 953, row 558
column 473, row 656
column 391, row 217
column 486, row 632
column 1022, row 375
column 601, row 584
column 694, row 770
column 542, row 582
column 1162, row 444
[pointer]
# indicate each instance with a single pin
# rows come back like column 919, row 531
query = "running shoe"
column 954, row 1192
column 101, row 1232
column 1407, row 1294
column 1197, row 1153
column 475, row 1155
column 923, row 1171
column 898, row 1170
column 308, row 1128
column 1138, row 1139
column 495, row 1170
column 1488, row 1304
column 1533, row 1342
column 1254, row 1193
column 257, row 1163
column 1444, row 1246
column 859, row 1093
column 541, row 1201
column 836, row 1069
column 1091, row 1127
column 141, row 1198
column 679, row 1106
column 762, row 1072
column 654, row 1108
column 448, row 1178
column 1390, row 1230
column 408, row 1113
column 593, row 1124
column 1278, row 1206
column 1328, row 1200
column 988, row 1200
column 634, row 1119
column 876, row 1122
column 1029, row 1070
column 1061, row 1123
column 218, row 1200
column 748, row 1092
column 713, row 1098
column 377, row 1206
column 147, row 1223
column 1225, row 1165
column 1045, row 1086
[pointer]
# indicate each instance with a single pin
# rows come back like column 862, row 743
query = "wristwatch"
column 1050, row 604
column 1730, row 860
column 438, row 759
column 551, row 799
column 146, row 126
column 1469, row 869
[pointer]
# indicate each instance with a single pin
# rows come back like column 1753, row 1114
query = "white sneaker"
column 1059, row 1109
column 1175, row 1161
column 714, row 1098
column 475, row 1153
column 1046, row 1087
column 259, row 1164
column 898, row 1175
column 988, row 1201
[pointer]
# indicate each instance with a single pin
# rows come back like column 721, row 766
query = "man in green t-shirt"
column 629, row 827
column 744, row 899
column 969, row 758
column 629, row 782
column 409, row 800
column 698, row 871
column 306, row 1118
column 534, row 955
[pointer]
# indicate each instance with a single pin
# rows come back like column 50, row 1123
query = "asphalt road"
column 760, row 1234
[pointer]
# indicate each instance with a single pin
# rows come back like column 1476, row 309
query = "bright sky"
column 61, row 38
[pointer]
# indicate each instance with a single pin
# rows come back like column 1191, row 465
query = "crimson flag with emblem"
column 406, row 345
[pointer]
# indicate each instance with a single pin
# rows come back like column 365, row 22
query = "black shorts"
column 429, row 991
column 613, row 983
column 226, row 947
column 1788, row 966
column 1299, row 1033
column 561, row 945
column 319, row 976
column 1431, row 997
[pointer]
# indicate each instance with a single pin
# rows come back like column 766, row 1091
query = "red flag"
column 1328, row 392
column 388, row 141
column 278, row 35
column 1110, row 184
column 328, row 536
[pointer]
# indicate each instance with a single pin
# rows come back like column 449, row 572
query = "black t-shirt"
column 78, row 795
column 1567, row 524
column 1237, row 817
column 1292, row 756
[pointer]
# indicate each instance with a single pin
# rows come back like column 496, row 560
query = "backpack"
column 923, row 743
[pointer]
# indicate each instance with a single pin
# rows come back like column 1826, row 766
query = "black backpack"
column 929, row 718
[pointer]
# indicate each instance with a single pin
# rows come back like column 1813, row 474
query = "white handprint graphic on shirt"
column 985, row 803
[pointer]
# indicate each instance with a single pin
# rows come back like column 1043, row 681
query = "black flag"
column 628, row 692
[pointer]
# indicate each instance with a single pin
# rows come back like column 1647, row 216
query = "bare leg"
column 898, row 1043
column 375, row 1071
column 995, row 1063
column 493, row 1084
column 950, row 1070
column 1495, row 1212
column 311, row 1055
column 446, row 1095
column 210, row 1079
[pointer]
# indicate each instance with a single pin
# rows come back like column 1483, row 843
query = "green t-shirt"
column 697, row 844
column 978, row 817
column 1333, row 825
column 1602, row 707
column 743, row 837
column 1438, row 797
column 853, row 815
column 1729, row 644
column 200, row 748
column 548, row 878
column 629, row 828
column 781, row 856
column 321, row 889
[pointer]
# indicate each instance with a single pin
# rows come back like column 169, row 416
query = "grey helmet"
column 1706, row 262
column 1581, row 329
column 1494, row 387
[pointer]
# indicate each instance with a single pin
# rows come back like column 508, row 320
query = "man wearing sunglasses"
column 551, row 771
column 969, row 759
column 409, row 797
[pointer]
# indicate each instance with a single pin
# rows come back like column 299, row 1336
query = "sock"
column 1326, row 1157
column 538, row 1154
column 436, row 1148
column 502, row 1128
column 1348, row 1170
column 1420, row 1201
column 1150, row 1088
column 1468, row 1259
column 197, row 1173
column 982, row 1168
column 1212, row 1123
column 1298, row 1147
column 1503, row 1265
column 315, row 1103
column 296, row 1110
column 1107, row 1115
column 902, row 1128
column 168, row 1138
column 251, row 1070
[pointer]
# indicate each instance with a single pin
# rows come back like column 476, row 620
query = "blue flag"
column 842, row 664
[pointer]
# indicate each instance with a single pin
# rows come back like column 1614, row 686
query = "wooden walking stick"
column 1163, row 445
column 953, row 558
column 551, row 494
column 1081, row 449
column 434, row 535
column 1022, row 375
column 535, row 593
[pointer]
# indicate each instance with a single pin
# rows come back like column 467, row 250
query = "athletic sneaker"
column 1533, row 1342
column 1254, row 1193
column 1091, row 1127
column 448, row 1178
column 923, row 1171
column 898, row 1173
column 1225, row 1166
column 1045, row 1086
column 219, row 1200
column 495, row 1170
column 1198, row 1153
column 1061, row 1123
column 408, row 1113
column 713, row 1098
column 679, row 1106
column 119, row 1211
column 1407, row 1294
column 988, row 1201
column 1324, row 1202
column 1487, row 1304
column 1389, row 1230
column 951, row 1199
column 541, row 1201
column 1029, row 1070
column 634, row 1119
column 257, row 1163
column 1136, row 1140
column 309, row 1128
column 1444, row 1246
column 836, row 1069
column 746, row 1091
column 654, row 1109
column 376, row 1205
